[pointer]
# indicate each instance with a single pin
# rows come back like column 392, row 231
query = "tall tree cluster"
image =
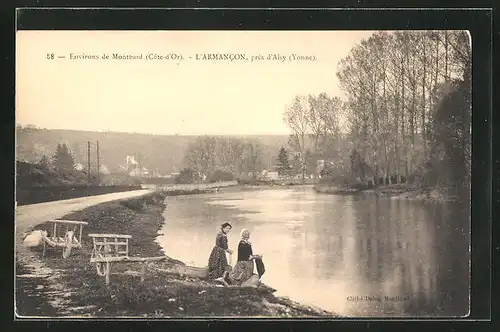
column 395, row 83
column 406, row 114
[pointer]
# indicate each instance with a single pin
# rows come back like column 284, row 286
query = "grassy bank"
column 161, row 295
column 402, row 191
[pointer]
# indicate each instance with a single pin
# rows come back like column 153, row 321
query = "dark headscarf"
column 224, row 225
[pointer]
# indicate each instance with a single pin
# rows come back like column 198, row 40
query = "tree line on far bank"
column 405, row 118
column 223, row 158
column 245, row 165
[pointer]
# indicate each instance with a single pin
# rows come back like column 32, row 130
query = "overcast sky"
column 172, row 97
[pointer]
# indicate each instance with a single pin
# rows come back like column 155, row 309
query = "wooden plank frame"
column 113, row 248
column 56, row 241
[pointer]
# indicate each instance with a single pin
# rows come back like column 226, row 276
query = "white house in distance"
column 139, row 172
column 132, row 167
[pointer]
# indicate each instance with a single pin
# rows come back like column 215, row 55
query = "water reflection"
column 328, row 250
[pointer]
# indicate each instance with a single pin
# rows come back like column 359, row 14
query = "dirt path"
column 28, row 216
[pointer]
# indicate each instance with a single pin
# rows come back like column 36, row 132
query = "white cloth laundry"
column 34, row 239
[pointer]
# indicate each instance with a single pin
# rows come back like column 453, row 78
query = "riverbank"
column 395, row 191
column 205, row 188
column 192, row 189
column 71, row 287
column 275, row 183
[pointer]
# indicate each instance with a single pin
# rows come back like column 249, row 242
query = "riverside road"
column 28, row 216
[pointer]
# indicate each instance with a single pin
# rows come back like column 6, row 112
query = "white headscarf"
column 243, row 232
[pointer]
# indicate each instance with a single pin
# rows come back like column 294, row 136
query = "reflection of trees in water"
column 415, row 274
column 370, row 239
column 452, row 257
column 432, row 264
column 396, row 246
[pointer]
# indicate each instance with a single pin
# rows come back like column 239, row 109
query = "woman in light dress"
column 242, row 274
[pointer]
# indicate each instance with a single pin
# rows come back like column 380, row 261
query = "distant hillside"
column 164, row 153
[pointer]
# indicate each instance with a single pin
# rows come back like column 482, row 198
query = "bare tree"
column 252, row 159
column 201, row 155
column 296, row 117
column 316, row 125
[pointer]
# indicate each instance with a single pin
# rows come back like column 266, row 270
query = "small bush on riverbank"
column 186, row 176
column 134, row 204
column 141, row 203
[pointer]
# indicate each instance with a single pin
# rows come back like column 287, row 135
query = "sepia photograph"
column 242, row 174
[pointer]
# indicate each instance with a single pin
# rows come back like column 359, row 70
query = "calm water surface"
column 342, row 253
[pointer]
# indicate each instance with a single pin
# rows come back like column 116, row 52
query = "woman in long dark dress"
column 217, row 262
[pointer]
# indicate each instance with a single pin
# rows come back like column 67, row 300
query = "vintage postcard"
column 201, row 174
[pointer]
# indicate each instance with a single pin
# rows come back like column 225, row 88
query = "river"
column 357, row 256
